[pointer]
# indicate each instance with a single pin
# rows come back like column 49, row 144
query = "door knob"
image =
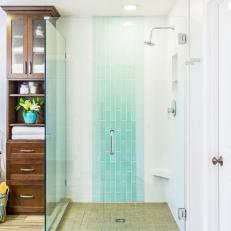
column 219, row 161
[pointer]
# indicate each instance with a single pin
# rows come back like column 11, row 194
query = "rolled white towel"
column 28, row 137
column 17, row 130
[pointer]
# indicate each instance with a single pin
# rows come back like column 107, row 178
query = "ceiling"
column 100, row 7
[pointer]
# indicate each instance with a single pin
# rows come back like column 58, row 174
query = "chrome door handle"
column 219, row 161
column 27, row 196
column 112, row 141
column 26, row 150
column 27, row 170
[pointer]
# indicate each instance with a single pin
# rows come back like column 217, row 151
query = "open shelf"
column 26, row 125
column 27, row 95
column 26, row 79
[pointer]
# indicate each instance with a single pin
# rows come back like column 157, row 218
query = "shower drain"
column 120, row 220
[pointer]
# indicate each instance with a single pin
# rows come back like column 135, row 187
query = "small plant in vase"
column 30, row 109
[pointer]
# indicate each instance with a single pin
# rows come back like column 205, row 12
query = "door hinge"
column 182, row 214
column 182, row 38
column 192, row 61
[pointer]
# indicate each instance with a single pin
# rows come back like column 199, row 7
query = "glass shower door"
column 138, row 185
column 55, row 124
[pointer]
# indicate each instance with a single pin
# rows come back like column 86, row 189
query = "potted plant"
column 30, row 109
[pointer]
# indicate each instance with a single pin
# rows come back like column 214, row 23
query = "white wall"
column 177, row 140
column 197, row 157
column 2, row 87
column 156, row 97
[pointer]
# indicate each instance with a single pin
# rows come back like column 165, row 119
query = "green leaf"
column 22, row 100
column 17, row 107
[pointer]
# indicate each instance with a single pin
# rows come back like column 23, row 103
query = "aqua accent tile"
column 117, row 71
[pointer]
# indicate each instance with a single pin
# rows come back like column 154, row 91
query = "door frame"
column 211, row 57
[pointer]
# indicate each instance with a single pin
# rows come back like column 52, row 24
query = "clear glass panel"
column 126, row 147
column 38, row 46
column 55, row 124
column 17, row 46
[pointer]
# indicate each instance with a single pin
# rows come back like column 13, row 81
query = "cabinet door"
column 17, row 47
column 36, row 47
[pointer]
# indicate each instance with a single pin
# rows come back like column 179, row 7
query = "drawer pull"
column 26, row 150
column 27, row 170
column 27, row 196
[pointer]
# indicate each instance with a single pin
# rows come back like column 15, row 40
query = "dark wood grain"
column 26, row 198
column 25, row 169
column 24, row 154
column 43, row 10
column 10, row 19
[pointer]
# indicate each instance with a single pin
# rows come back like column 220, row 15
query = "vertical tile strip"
column 118, row 104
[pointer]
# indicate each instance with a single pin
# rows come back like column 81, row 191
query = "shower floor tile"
column 102, row 217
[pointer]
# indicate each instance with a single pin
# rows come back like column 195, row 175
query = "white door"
column 225, row 114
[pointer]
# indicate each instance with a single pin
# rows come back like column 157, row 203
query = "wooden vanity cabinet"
column 25, row 159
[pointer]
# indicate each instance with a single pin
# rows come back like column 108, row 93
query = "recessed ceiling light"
column 130, row 7
column 229, row 6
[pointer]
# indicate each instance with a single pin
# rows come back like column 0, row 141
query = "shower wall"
column 79, row 40
column 118, row 107
column 177, row 132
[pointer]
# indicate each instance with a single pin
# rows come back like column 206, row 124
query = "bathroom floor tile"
column 23, row 223
column 102, row 217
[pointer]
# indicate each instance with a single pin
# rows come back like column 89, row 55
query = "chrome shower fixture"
column 149, row 42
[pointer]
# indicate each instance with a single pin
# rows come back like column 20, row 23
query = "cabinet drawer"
column 25, row 149
column 26, row 196
column 26, row 169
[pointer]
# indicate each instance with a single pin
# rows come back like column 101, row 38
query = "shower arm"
column 160, row 28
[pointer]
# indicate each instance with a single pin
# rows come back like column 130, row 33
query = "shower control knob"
column 219, row 161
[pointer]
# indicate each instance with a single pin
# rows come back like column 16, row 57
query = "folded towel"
column 17, row 130
column 28, row 137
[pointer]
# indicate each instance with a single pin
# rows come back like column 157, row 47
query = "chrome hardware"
column 30, row 67
column 219, row 161
column 27, row 150
column 25, row 67
column 182, row 214
column 182, row 38
column 112, row 141
column 27, row 170
column 27, row 196
column 172, row 109
column 120, row 220
column 192, row 61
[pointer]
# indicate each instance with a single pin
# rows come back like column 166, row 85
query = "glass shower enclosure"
column 55, row 124
column 135, row 169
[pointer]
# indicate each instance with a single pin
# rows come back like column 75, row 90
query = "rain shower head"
column 149, row 42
